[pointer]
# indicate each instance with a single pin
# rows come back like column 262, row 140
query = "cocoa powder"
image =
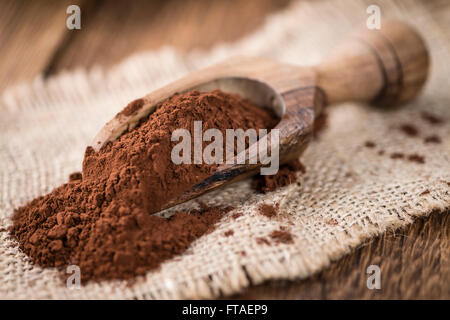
column 282, row 236
column 433, row 139
column 268, row 210
column 431, row 118
column 409, row 130
column 370, row 144
column 101, row 220
column 286, row 175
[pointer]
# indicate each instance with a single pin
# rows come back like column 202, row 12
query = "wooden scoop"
column 385, row 67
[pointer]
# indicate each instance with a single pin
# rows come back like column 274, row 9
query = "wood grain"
column 414, row 264
column 415, row 261
column 29, row 33
column 112, row 30
column 386, row 67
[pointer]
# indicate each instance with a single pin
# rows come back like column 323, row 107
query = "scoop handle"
column 387, row 66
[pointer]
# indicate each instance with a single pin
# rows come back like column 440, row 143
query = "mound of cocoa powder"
column 100, row 220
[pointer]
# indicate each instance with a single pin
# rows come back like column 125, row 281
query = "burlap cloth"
column 350, row 193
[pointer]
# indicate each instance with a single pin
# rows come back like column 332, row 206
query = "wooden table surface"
column 414, row 261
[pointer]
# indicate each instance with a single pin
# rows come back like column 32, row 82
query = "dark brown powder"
column 433, row 139
column 102, row 222
column 413, row 157
column 397, row 155
column 75, row 176
column 281, row 236
column 416, row 158
column 268, row 210
column 409, row 130
column 370, row 144
column 431, row 118
column 228, row 233
column 286, row 175
column 237, row 215
column 262, row 241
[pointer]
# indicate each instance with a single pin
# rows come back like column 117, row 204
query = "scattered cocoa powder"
column 262, row 240
column 397, row 155
column 370, row 144
column 286, row 175
column 413, row 157
column 416, row 158
column 409, row 129
column 281, row 236
column 102, row 222
column 381, row 152
column 431, row 118
column 268, row 210
column 425, row 192
column 433, row 139
column 228, row 233
column 237, row 215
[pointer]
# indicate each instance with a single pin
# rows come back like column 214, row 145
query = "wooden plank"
column 414, row 264
column 29, row 33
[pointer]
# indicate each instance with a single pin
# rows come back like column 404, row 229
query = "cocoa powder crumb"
column 425, row 192
column 431, row 118
column 262, row 241
column 281, row 236
column 75, row 176
column 268, row 210
column 236, row 215
column 381, row 152
column 286, row 175
column 433, row 139
column 397, row 155
column 228, row 233
column 416, row 158
column 409, row 130
column 103, row 222
column 370, row 144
